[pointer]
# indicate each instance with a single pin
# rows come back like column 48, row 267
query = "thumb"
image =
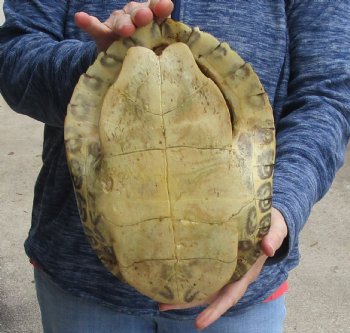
column 277, row 233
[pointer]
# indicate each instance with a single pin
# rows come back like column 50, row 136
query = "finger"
column 91, row 25
column 141, row 16
column 120, row 24
column 161, row 8
column 167, row 307
column 135, row 14
column 140, row 13
column 278, row 231
column 133, row 5
column 229, row 296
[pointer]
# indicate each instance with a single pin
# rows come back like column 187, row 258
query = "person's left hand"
column 123, row 22
column 229, row 295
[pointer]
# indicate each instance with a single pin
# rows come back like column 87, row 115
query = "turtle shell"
column 170, row 143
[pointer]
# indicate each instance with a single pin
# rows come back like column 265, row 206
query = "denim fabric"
column 64, row 313
column 300, row 50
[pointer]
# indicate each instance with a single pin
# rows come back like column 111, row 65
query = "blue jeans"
column 62, row 312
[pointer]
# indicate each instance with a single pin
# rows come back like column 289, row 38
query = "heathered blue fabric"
column 300, row 50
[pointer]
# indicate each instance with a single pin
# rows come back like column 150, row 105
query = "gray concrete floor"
column 319, row 295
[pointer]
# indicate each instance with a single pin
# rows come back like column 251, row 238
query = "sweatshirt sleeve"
column 38, row 66
column 314, row 129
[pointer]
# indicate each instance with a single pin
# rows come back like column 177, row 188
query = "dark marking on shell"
column 166, row 31
column 167, row 293
column 108, row 60
column 128, row 42
column 254, row 254
column 266, row 157
column 92, row 199
column 190, row 295
column 165, row 272
column 76, row 173
column 82, row 108
column 221, row 50
column 99, row 244
column 107, row 256
column 233, row 70
column 99, row 236
column 245, row 145
column 98, row 165
column 257, row 100
column 265, row 136
column 245, row 245
column 92, row 82
column 264, row 226
column 110, row 255
column 242, row 73
column 75, row 110
column 177, row 34
column 252, row 221
column 265, row 171
column 72, row 146
column 90, row 235
column 75, row 167
column 95, row 149
column 95, row 219
column 77, row 181
column 256, row 88
column 194, row 37
column 264, row 191
column 155, row 30
column 265, row 205
column 107, row 184
column 158, row 50
column 81, row 203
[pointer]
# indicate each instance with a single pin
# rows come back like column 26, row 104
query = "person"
column 300, row 52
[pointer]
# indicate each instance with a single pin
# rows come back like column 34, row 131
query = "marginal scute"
column 174, row 32
column 119, row 48
column 265, row 225
column 223, row 59
column 202, row 43
column 108, row 61
column 148, row 36
column 105, row 68
column 265, row 171
column 265, row 205
column 170, row 143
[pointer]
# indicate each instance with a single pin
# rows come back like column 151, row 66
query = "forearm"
column 315, row 127
column 308, row 155
column 39, row 69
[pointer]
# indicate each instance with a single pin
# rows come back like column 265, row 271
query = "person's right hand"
column 123, row 22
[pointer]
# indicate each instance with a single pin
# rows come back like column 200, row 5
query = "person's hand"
column 229, row 295
column 123, row 22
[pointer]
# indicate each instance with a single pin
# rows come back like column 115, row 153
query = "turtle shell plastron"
column 170, row 143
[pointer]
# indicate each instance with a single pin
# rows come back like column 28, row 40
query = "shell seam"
column 167, row 181
column 172, row 259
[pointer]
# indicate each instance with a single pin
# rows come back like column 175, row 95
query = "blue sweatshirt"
column 300, row 50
